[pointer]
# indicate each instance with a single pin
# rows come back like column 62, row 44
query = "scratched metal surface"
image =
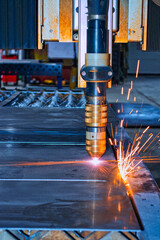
column 47, row 180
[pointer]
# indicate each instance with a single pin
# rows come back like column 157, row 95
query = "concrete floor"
column 146, row 89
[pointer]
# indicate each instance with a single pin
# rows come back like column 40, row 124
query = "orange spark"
column 146, row 129
column 128, row 162
column 151, row 142
column 137, row 71
column 110, row 140
column 131, row 85
column 112, row 130
column 122, row 91
column 145, row 143
column 128, row 95
column 134, row 99
column 117, row 100
column 118, row 111
column 136, row 111
column 131, row 111
column 121, row 123
column 98, row 90
column 119, row 207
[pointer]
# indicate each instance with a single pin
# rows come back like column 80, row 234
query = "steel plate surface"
column 48, row 181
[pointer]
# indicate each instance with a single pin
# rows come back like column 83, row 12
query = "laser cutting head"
column 96, row 72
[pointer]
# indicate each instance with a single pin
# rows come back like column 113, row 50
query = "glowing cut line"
column 46, row 163
column 49, row 163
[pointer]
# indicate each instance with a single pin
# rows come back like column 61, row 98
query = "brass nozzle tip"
column 97, row 155
column 96, row 148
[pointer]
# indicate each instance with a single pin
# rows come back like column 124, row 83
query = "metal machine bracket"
column 98, row 73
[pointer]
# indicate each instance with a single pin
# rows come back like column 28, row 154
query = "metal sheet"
column 72, row 205
column 41, row 119
column 49, row 186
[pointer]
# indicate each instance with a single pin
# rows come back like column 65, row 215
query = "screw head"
column 75, row 36
column 110, row 73
column 83, row 73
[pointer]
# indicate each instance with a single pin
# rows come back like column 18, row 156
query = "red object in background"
column 9, row 78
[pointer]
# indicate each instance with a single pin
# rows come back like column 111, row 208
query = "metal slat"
column 3, row 25
column 18, row 30
column 26, row 19
column 11, row 23
column 18, row 27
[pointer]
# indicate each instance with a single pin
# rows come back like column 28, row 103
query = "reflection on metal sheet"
column 134, row 23
column 67, row 205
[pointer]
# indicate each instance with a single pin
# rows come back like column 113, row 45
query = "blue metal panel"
column 18, row 28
